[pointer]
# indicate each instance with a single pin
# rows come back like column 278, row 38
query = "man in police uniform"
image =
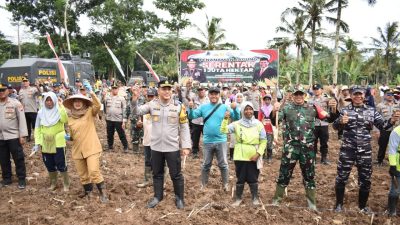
column 170, row 132
column 27, row 96
column 115, row 107
column 357, row 120
column 12, row 136
column 193, row 72
column 254, row 96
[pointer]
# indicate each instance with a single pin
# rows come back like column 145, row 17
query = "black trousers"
column 383, row 142
column 55, row 162
column 147, row 156
column 321, row 133
column 30, row 121
column 12, row 147
column 195, row 133
column 246, row 171
column 111, row 127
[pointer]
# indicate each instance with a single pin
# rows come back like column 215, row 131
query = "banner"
column 149, row 67
column 63, row 71
column 230, row 65
column 116, row 61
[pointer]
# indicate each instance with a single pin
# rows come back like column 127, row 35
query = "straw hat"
column 68, row 103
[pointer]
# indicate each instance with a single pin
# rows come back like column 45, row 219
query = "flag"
column 63, row 71
column 149, row 67
column 115, row 60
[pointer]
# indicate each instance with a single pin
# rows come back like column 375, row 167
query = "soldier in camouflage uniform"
column 298, row 143
column 136, row 121
column 357, row 120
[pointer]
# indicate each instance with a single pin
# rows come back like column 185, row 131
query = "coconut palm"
column 213, row 36
column 389, row 43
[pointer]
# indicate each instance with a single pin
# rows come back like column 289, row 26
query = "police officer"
column 193, row 72
column 12, row 92
column 12, row 136
column 136, row 120
column 357, row 120
column 60, row 93
column 170, row 131
column 299, row 118
column 115, row 109
column 254, row 96
column 386, row 109
column 27, row 96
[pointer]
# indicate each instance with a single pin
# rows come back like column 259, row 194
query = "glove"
column 393, row 171
column 87, row 86
column 67, row 137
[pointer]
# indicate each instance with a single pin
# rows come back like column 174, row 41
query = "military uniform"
column 27, row 96
column 170, row 133
column 12, row 128
column 136, row 131
column 115, row 109
column 356, row 149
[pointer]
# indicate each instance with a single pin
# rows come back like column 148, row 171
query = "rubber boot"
column 362, row 201
column 179, row 192
column 225, row 179
column 254, row 194
column 158, row 193
column 135, row 148
column 392, row 204
column 238, row 195
column 231, row 154
column 204, row 179
column 311, row 200
column 278, row 195
column 66, row 182
column 103, row 196
column 147, row 178
column 53, row 180
column 339, row 199
column 87, row 190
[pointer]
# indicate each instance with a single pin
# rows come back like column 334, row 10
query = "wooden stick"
column 184, row 162
column 265, row 210
column 190, row 214
column 59, row 200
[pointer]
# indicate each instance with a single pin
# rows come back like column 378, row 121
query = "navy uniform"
column 12, row 130
column 170, row 133
column 115, row 109
column 356, row 148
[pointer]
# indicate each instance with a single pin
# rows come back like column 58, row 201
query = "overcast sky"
column 251, row 23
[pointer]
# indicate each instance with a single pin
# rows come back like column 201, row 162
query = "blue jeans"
column 395, row 192
column 220, row 150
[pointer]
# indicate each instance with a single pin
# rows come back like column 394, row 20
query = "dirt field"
column 36, row 205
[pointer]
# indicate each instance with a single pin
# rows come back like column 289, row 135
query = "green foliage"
column 5, row 48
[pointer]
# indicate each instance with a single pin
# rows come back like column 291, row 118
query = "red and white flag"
column 63, row 71
column 116, row 61
column 149, row 67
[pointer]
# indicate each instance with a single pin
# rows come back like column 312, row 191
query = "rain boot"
column 158, row 193
column 147, row 178
column 225, row 179
column 392, row 204
column 310, row 195
column 204, row 179
column 135, row 148
column 339, row 199
column 53, row 180
column 87, row 190
column 278, row 195
column 103, row 196
column 179, row 192
column 238, row 195
column 362, row 201
column 66, row 182
column 254, row 194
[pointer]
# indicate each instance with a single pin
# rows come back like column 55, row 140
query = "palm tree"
column 213, row 36
column 312, row 11
column 388, row 43
column 351, row 60
column 298, row 30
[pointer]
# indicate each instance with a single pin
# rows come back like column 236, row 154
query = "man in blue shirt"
column 214, row 142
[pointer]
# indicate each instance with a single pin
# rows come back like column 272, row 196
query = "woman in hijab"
column 49, row 133
column 263, row 116
column 86, row 147
column 239, row 100
column 250, row 145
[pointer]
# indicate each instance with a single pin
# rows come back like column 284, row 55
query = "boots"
column 362, row 201
column 254, row 194
column 204, row 179
column 103, row 196
column 392, row 204
column 179, row 192
column 147, row 178
column 278, row 195
column 231, row 154
column 310, row 195
column 88, row 188
column 135, row 148
column 339, row 199
column 225, row 179
column 238, row 195
column 158, row 193
column 53, row 180
column 66, row 182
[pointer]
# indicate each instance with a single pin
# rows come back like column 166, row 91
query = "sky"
column 251, row 23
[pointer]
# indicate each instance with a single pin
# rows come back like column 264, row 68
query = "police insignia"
column 182, row 115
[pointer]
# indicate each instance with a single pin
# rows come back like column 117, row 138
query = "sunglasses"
column 389, row 94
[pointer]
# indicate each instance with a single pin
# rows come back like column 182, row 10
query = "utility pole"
column 19, row 43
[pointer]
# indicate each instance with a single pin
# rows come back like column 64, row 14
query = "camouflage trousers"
column 362, row 158
column 305, row 154
column 136, row 133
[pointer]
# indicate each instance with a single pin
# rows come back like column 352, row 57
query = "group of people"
column 169, row 121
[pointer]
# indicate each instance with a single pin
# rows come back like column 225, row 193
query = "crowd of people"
column 237, row 122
